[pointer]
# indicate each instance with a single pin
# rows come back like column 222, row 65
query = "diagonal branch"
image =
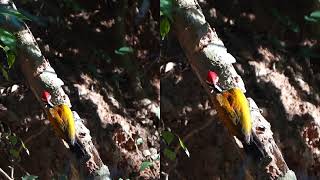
column 205, row 51
column 5, row 174
column 40, row 76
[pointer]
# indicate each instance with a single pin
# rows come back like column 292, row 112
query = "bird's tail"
column 254, row 148
column 79, row 151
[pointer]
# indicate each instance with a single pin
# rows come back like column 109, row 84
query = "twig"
column 186, row 138
column 193, row 132
column 12, row 171
column 35, row 135
column 5, row 175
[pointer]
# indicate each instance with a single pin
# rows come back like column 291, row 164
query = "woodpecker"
column 61, row 119
column 236, row 115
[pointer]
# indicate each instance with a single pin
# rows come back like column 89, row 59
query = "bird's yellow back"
column 62, row 120
column 236, row 112
column 241, row 107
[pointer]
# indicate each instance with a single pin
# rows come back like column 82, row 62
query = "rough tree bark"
column 41, row 76
column 205, row 51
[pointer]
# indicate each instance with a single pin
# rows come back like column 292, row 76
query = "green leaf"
column 24, row 147
column 124, row 50
column 315, row 14
column 184, row 147
column 164, row 27
column 13, row 140
column 8, row 38
column 313, row 17
column 167, row 136
column 166, row 8
column 11, row 57
column 13, row 13
column 169, row 154
column 307, row 18
column 29, row 177
column 14, row 153
column 4, row 73
column 146, row 164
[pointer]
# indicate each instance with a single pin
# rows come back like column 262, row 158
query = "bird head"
column 46, row 98
column 212, row 80
column 212, row 77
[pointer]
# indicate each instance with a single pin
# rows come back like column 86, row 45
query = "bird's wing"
column 69, row 123
column 57, row 113
column 56, row 122
column 225, row 101
column 67, row 114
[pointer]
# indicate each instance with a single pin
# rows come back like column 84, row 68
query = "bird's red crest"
column 46, row 96
column 212, row 77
